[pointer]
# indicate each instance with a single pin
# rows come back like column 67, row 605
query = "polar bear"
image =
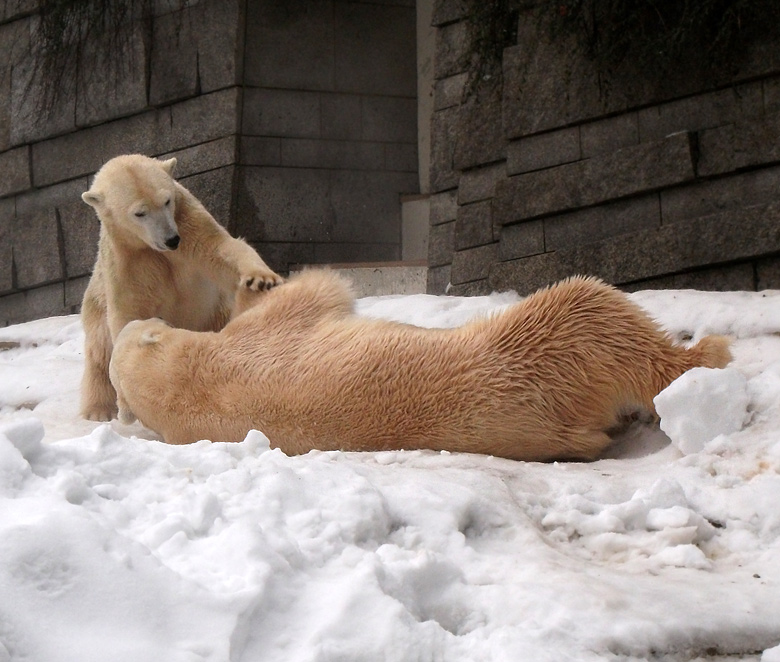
column 160, row 254
column 545, row 379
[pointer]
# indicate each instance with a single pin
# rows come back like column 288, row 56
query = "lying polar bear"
column 545, row 379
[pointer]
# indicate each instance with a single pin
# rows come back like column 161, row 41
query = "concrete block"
column 443, row 174
column 725, row 278
column 48, row 198
column 351, row 253
column 444, row 207
column 702, row 111
column 206, row 117
column 473, row 263
column 375, row 49
column 384, row 280
column 771, row 95
column 474, row 225
column 290, row 45
column 341, row 116
column 628, row 171
column 35, row 113
column 521, row 240
column 597, row 223
column 447, row 11
column 282, row 256
column 14, row 47
column 767, row 271
column 36, row 249
column 203, row 157
column 220, row 27
column 479, row 135
column 80, row 233
column 401, row 157
column 713, row 196
column 285, row 113
column 12, row 9
column 452, row 47
column 74, row 293
column 441, row 244
column 261, row 151
column 287, row 205
column 608, row 135
column 543, row 150
column 475, row 288
column 528, row 274
column 215, row 191
column 368, row 205
column 450, row 91
column 173, row 72
column 14, row 171
column 438, row 279
column 740, row 145
column 7, row 224
column 46, row 301
column 119, row 87
column 390, row 119
column 78, row 154
column 415, row 228
column 337, row 154
column 480, row 183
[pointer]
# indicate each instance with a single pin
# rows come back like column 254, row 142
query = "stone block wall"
column 558, row 172
column 188, row 107
column 329, row 129
column 293, row 122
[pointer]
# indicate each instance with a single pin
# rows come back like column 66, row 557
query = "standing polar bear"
column 545, row 379
column 161, row 254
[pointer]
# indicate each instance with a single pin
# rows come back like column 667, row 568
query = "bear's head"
column 136, row 196
column 134, row 350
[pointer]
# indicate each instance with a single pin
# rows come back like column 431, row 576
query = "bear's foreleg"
column 98, row 397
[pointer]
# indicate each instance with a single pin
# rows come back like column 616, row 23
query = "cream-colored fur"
column 161, row 254
column 545, row 379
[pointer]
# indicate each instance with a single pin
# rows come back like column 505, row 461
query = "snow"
column 115, row 546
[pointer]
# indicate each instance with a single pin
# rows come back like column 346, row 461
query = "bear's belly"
column 197, row 306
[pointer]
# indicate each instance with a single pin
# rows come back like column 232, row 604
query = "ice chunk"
column 702, row 404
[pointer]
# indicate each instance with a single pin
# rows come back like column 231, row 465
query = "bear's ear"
column 149, row 338
column 169, row 165
column 92, row 198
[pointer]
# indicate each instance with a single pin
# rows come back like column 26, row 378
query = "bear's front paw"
column 260, row 280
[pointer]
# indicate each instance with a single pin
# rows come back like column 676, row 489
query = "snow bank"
column 116, row 546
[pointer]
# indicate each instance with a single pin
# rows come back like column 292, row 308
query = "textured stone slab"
column 543, row 150
column 702, row 111
column 628, row 171
column 444, row 207
column 521, row 240
column 284, row 113
column 480, row 183
column 14, row 171
column 375, row 49
column 306, row 153
column 7, row 222
column 732, row 236
column 739, row 145
column 473, row 263
column 474, row 225
column 608, row 135
column 80, row 233
column 441, row 244
column 36, row 249
column 290, row 45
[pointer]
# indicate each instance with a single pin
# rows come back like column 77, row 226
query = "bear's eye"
column 140, row 214
column 167, row 202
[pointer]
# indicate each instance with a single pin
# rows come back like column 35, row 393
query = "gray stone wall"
column 552, row 175
column 329, row 129
column 293, row 122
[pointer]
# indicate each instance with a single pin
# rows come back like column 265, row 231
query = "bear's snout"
column 173, row 242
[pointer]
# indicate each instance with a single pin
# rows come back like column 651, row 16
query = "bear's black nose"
column 173, row 242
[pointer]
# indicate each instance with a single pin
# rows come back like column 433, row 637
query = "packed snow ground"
column 115, row 546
